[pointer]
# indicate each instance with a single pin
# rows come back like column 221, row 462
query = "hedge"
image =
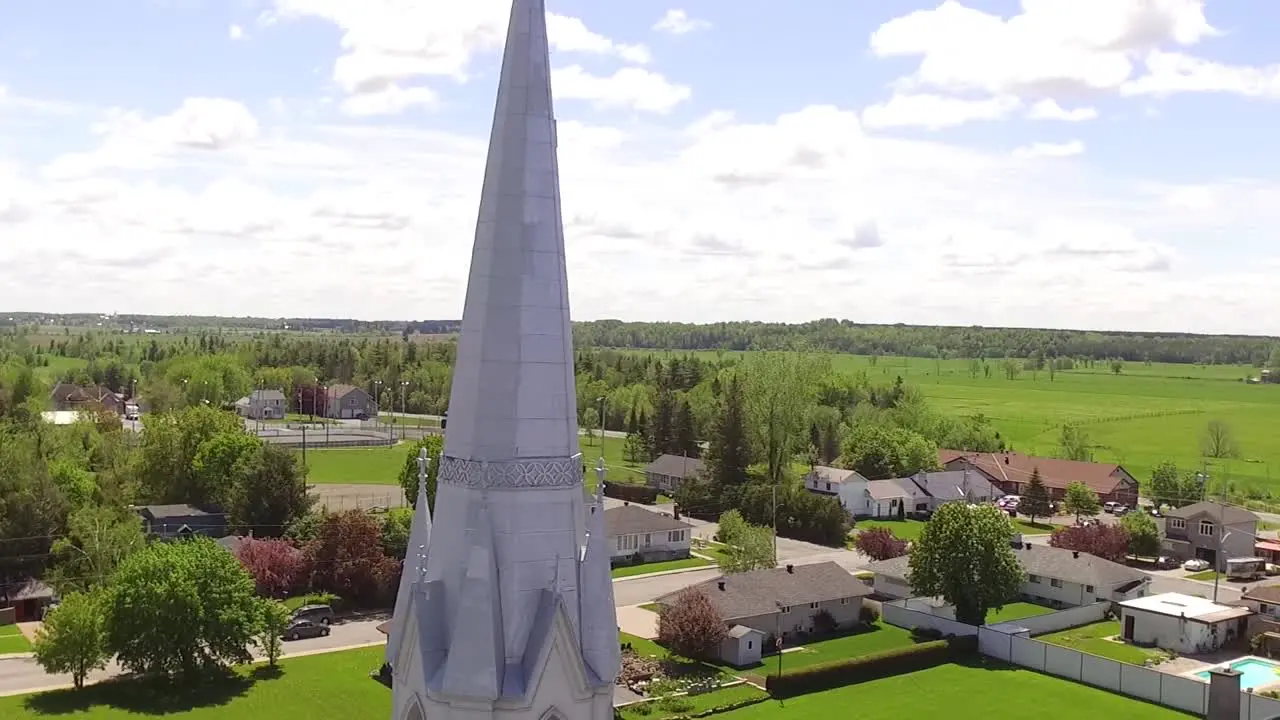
column 870, row 667
column 632, row 493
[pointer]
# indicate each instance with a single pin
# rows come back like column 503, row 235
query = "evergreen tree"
column 662, row 430
column 633, row 422
column 1035, row 499
column 729, row 452
column 815, row 438
column 685, row 440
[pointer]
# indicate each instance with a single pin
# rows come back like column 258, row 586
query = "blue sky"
column 1163, row 182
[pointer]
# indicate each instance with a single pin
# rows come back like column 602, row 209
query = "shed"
column 743, row 646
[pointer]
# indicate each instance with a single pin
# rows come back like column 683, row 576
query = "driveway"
column 635, row 620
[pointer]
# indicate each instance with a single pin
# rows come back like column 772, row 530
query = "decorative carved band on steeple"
column 523, row 473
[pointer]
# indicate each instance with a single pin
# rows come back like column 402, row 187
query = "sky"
column 1101, row 164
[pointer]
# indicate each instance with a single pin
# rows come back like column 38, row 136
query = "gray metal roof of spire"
column 513, row 384
column 415, row 562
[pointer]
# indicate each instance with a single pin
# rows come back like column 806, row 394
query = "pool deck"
column 1194, row 674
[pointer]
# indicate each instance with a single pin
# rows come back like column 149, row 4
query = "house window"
column 1206, row 527
column 1055, row 582
column 813, row 606
column 786, row 608
column 648, row 538
column 1262, row 607
column 828, row 486
column 750, row 644
column 1088, row 588
column 1033, row 578
column 1177, row 524
column 628, row 542
column 675, row 536
column 844, row 601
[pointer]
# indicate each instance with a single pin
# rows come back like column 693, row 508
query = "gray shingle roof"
column 267, row 395
column 631, row 520
column 1230, row 515
column 885, row 489
column 757, row 592
column 950, row 485
column 157, row 512
column 675, row 466
column 833, row 475
column 1045, row 561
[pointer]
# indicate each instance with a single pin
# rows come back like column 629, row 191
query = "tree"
column 1219, row 441
column 270, row 491
column 1144, row 536
column 72, row 639
column 98, row 539
column 964, row 556
column 1165, row 487
column 685, row 433
column 347, row 559
column 396, row 525
column 731, row 527
column 1109, row 542
column 780, row 389
column 1081, row 501
column 165, row 463
column 276, row 565
column 181, row 608
column 591, row 423
column 691, row 626
column 275, row 620
column 219, row 464
column 434, row 445
column 1073, row 443
column 729, row 451
column 879, row 543
column 752, row 549
column 633, row 448
column 879, row 451
column 1035, row 498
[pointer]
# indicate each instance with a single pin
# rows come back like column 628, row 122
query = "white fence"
column 1182, row 693
column 1060, row 620
column 897, row 613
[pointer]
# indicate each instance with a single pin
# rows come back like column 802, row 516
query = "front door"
column 1128, row 628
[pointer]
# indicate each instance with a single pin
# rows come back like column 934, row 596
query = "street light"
column 404, row 405
column 602, row 400
column 377, row 403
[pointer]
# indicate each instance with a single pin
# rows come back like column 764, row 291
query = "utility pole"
column 602, row 400
column 404, row 405
column 775, row 551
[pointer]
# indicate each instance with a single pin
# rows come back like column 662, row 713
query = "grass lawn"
column 905, row 529
column 1033, row 528
column 1092, row 639
column 683, row 665
column 1207, row 575
column 653, row 567
column 401, row 421
column 881, row 637
column 959, row 692
column 360, row 466
column 1017, row 611
column 717, row 552
column 12, row 640
column 304, row 688
column 688, row 705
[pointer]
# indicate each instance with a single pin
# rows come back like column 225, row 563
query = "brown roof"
column 632, row 520
column 1264, row 593
column 1056, row 473
column 759, row 592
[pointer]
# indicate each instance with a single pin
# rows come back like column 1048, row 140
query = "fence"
column 337, row 502
column 1181, row 693
column 897, row 613
column 1061, row 620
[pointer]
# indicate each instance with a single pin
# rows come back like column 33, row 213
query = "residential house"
column 778, row 602
column 70, row 397
column 1054, row 576
column 1200, row 529
column 891, row 498
column 1182, row 623
column 825, row 480
column 348, row 402
column 262, row 405
column 668, row 471
column 638, row 535
column 921, row 493
column 1011, row 472
column 28, row 599
column 176, row 521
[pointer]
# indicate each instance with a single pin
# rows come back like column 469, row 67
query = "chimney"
column 1075, row 554
column 1006, row 459
column 1224, row 694
column 791, row 569
column 720, row 585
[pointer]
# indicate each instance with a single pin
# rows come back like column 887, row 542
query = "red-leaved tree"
column 346, row 559
column 879, row 543
column 1110, row 542
column 276, row 565
column 691, row 626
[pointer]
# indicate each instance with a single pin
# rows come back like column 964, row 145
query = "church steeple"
column 415, row 559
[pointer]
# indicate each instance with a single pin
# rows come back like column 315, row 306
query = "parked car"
column 1109, row 506
column 322, row 614
column 1120, row 510
column 1164, row 562
column 299, row 629
column 1153, row 511
column 1195, row 565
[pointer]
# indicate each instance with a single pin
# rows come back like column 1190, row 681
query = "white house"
column 825, row 480
column 1055, row 577
column 1181, row 623
column 921, row 493
column 653, row 536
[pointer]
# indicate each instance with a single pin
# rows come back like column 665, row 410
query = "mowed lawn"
column 908, row 529
column 12, row 640
column 1017, row 611
column 666, row 566
column 1093, row 639
column 959, row 692
column 1138, row 418
column 879, row 638
column 356, row 466
column 306, row 688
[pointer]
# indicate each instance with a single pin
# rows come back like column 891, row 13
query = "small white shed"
column 1181, row 623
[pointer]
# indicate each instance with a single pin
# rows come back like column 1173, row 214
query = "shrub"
column 879, row 544
column 642, row 494
column 691, row 626
column 824, row 623
column 276, row 565
column 868, row 615
column 926, row 633
column 869, row 667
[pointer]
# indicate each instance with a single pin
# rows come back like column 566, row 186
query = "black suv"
column 322, row 614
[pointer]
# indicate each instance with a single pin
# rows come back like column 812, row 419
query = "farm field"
column 1138, row 418
column 960, row 692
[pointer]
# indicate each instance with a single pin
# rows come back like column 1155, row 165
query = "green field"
column 304, row 688
column 1144, row 415
column 959, row 692
column 12, row 640
column 359, row 466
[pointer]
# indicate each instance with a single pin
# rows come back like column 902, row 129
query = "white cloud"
column 1049, row 48
column 389, row 100
column 570, row 34
column 1049, row 109
column 235, row 32
column 631, row 88
column 678, row 22
column 1051, row 150
column 1171, row 72
column 934, row 112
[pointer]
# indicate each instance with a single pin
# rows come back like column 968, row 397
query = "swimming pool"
column 1254, row 673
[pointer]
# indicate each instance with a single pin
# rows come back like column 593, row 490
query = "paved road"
column 24, row 675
